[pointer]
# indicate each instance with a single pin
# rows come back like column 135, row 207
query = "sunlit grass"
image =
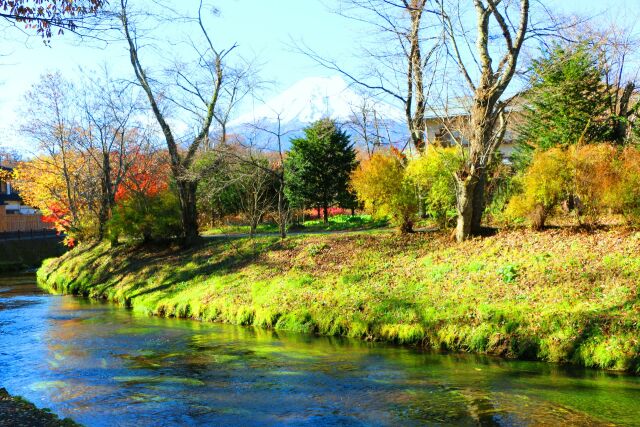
column 557, row 296
column 336, row 223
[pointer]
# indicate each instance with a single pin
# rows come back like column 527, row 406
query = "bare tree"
column 9, row 156
column 53, row 128
column 618, row 47
column 200, row 90
column 110, row 136
column 240, row 82
column 256, row 190
column 366, row 123
column 402, row 60
column 497, row 34
column 257, row 148
column 47, row 15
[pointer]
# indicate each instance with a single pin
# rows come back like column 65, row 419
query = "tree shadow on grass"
column 205, row 267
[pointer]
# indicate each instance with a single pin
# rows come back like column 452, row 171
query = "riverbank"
column 557, row 296
column 15, row 411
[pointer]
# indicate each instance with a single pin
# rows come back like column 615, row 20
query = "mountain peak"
column 312, row 99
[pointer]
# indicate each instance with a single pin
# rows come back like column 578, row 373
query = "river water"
column 103, row 365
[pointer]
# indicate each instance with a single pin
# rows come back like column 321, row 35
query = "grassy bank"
column 557, row 296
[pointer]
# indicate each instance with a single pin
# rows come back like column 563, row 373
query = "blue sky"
column 261, row 28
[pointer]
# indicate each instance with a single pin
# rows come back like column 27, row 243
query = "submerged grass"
column 557, row 296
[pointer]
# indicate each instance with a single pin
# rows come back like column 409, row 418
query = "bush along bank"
column 556, row 296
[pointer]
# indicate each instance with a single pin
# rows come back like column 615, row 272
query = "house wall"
column 438, row 130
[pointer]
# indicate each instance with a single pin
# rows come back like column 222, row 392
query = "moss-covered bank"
column 557, row 296
column 15, row 411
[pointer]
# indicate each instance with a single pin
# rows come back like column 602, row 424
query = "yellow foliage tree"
column 380, row 184
column 545, row 184
column 589, row 175
column 5, row 175
column 624, row 195
column 432, row 172
column 66, row 199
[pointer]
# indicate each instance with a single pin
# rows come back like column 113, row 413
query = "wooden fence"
column 20, row 222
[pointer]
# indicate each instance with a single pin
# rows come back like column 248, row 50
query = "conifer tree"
column 566, row 103
column 319, row 166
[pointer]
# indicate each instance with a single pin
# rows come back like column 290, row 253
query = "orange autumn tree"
column 147, row 177
column 147, row 205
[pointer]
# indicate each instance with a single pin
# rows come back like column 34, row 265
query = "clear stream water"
column 104, row 365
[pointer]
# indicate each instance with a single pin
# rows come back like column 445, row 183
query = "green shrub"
column 508, row 273
column 148, row 218
column 432, row 173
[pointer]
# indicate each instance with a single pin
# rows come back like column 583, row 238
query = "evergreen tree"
column 566, row 103
column 319, row 166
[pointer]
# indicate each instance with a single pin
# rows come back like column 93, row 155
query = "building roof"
column 13, row 197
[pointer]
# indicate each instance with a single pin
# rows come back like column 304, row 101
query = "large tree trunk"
column 407, row 226
column 189, row 214
column 471, row 182
column 538, row 217
column 325, row 214
column 103, row 216
column 465, row 194
column 488, row 122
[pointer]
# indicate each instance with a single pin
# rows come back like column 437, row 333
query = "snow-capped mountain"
column 312, row 99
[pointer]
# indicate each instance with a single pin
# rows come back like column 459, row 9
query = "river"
column 103, row 365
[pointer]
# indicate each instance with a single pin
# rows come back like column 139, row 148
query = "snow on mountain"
column 312, row 99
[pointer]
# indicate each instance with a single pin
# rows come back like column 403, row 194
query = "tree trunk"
column 281, row 212
column 407, row 226
column 465, row 192
column 325, row 214
column 538, row 217
column 107, row 198
column 422, row 213
column 189, row 215
column 479, row 203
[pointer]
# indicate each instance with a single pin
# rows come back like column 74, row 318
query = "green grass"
column 336, row 223
column 556, row 296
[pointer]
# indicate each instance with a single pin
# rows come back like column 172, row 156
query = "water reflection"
column 103, row 365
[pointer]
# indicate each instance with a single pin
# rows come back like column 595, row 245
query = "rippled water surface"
column 103, row 365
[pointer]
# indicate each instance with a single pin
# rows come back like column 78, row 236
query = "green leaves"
column 319, row 165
